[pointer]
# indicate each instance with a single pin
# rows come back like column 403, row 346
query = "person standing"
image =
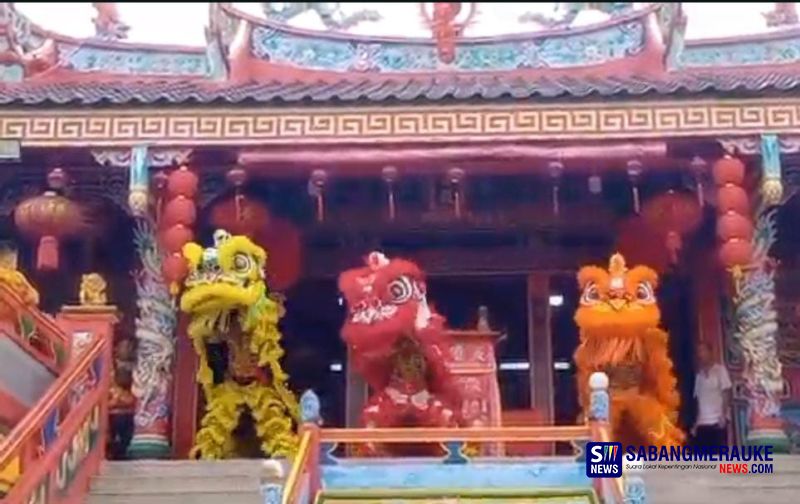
column 712, row 390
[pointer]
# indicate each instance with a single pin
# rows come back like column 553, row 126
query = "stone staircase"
column 185, row 482
column 706, row 486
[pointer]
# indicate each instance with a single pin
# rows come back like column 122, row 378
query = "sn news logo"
column 604, row 460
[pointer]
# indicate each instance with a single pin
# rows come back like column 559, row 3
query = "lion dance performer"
column 226, row 296
column 618, row 319
column 398, row 344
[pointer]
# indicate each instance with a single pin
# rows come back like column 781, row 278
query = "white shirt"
column 709, row 389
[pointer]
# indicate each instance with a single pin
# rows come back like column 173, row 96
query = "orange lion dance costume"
column 398, row 344
column 618, row 319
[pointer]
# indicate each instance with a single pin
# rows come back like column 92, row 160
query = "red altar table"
column 473, row 363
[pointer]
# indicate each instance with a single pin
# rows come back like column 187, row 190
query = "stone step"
column 167, row 484
column 268, row 469
column 728, row 496
column 179, row 498
column 701, row 487
column 185, row 481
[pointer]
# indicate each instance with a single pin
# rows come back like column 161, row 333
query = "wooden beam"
column 491, row 158
column 540, row 350
column 508, row 260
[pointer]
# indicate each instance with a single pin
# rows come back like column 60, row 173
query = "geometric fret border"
column 422, row 123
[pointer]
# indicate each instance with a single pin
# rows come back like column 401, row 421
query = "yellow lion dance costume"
column 226, row 296
column 618, row 319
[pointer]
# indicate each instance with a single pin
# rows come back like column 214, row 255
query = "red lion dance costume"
column 618, row 319
column 398, row 344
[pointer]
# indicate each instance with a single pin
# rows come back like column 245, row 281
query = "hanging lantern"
column 389, row 175
column 316, row 188
column 57, row 179
column 175, row 237
column 673, row 215
column 284, row 246
column 246, row 217
column 174, row 268
column 178, row 210
column 182, row 182
column 698, row 166
column 455, row 177
column 635, row 175
column 734, row 226
column 640, row 244
column 728, row 170
column 556, row 170
column 732, row 198
column 595, row 184
column 736, row 253
column 48, row 218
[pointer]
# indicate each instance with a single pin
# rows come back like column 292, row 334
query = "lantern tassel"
column 238, row 201
column 636, row 202
column 556, row 207
column 47, row 254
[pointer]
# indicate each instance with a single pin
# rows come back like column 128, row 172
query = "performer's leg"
column 223, row 409
column 652, row 421
column 380, row 411
column 272, row 420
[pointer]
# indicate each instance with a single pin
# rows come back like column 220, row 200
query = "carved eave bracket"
column 770, row 148
column 156, row 158
column 751, row 145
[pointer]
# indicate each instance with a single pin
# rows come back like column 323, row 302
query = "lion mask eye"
column 645, row 294
column 591, row 294
column 401, row 290
column 242, row 263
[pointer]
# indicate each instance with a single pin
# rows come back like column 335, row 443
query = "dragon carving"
column 567, row 12
column 329, row 12
column 618, row 317
column 398, row 344
column 234, row 319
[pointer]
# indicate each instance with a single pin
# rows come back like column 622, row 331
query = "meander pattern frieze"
column 389, row 124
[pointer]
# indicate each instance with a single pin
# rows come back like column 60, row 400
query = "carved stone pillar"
column 156, row 318
column 756, row 318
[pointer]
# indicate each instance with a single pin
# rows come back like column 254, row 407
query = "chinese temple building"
column 501, row 159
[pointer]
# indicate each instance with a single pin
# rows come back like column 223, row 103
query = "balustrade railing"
column 60, row 442
column 317, row 444
column 33, row 331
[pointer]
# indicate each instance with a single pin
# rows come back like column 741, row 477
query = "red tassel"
column 47, row 255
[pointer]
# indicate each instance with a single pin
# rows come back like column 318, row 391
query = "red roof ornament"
column 445, row 26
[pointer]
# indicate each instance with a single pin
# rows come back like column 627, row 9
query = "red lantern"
column 732, row 198
column 248, row 217
column 284, row 247
column 728, row 170
column 182, row 182
column 174, row 238
column 672, row 215
column 178, row 210
column 733, row 226
column 47, row 218
column 736, row 253
column 642, row 245
column 673, row 211
column 174, row 269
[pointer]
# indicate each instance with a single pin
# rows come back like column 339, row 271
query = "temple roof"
column 629, row 51
column 459, row 88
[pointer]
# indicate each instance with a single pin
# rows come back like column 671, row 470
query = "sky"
column 183, row 23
